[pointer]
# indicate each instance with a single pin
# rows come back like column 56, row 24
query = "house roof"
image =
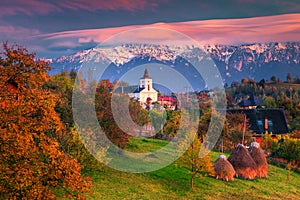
column 126, row 89
column 276, row 120
column 252, row 101
column 166, row 98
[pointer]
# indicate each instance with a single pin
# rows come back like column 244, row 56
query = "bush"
column 269, row 144
column 290, row 149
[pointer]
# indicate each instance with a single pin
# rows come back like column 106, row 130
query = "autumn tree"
column 31, row 162
column 196, row 163
column 103, row 108
column 204, row 124
column 238, row 130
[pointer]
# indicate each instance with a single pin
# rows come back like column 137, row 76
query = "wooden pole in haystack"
column 244, row 129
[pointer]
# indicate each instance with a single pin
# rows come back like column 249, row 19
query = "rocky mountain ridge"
column 253, row 61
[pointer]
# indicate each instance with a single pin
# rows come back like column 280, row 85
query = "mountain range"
column 253, row 61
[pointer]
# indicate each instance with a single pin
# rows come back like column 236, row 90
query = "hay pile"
column 259, row 158
column 242, row 162
column 223, row 169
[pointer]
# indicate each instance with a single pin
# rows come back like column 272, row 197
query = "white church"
column 145, row 92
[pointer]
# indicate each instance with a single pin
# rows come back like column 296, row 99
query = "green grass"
column 145, row 145
column 172, row 182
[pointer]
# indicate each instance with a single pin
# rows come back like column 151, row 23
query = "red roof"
column 165, row 98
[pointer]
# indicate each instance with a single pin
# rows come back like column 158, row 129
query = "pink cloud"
column 12, row 34
column 66, row 44
column 93, row 5
column 27, row 7
column 30, row 7
column 230, row 31
column 17, row 33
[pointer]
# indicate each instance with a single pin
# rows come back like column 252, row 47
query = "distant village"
column 260, row 119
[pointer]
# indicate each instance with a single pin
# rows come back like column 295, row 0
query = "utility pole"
column 187, row 92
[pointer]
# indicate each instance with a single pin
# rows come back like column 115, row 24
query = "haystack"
column 223, row 169
column 242, row 162
column 260, row 159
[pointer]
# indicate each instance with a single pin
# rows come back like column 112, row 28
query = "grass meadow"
column 172, row 182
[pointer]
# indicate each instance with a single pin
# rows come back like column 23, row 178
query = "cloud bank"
column 32, row 7
column 279, row 28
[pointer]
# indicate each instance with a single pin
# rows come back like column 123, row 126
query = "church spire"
column 146, row 74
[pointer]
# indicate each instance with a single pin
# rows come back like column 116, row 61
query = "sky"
column 52, row 28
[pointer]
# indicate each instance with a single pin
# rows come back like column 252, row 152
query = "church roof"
column 138, row 90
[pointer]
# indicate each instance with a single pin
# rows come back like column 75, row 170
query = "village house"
column 262, row 120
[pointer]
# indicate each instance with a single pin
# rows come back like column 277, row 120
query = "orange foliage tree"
column 31, row 162
column 105, row 116
column 196, row 164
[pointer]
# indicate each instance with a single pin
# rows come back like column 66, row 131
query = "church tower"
column 146, row 81
column 145, row 93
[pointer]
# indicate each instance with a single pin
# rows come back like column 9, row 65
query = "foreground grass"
column 172, row 182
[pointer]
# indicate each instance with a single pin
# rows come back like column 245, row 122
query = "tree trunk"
column 192, row 181
column 288, row 168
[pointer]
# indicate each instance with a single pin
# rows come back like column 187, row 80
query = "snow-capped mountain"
column 256, row 61
column 123, row 54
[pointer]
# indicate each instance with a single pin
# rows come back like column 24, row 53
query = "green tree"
column 289, row 77
column 76, row 149
column 273, row 79
column 290, row 150
column 62, row 85
column 137, row 113
column 269, row 144
column 158, row 120
column 269, row 102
